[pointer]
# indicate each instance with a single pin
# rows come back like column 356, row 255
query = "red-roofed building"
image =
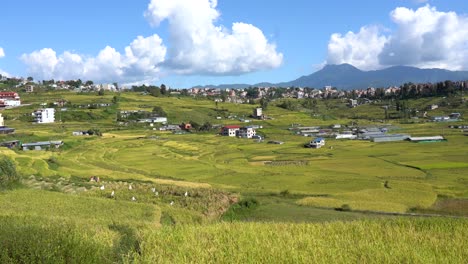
column 9, row 95
column 229, row 131
column 9, row 99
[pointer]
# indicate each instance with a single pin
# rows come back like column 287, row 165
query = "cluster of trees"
column 411, row 90
column 9, row 81
column 152, row 89
column 205, row 127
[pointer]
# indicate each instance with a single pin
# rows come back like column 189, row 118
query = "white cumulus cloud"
column 140, row 61
column 425, row 38
column 359, row 49
column 199, row 46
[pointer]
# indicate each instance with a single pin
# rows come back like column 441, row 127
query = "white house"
column 9, row 99
column 159, row 119
column 316, row 143
column 2, row 123
column 230, row 131
column 108, row 87
column 46, row 115
column 29, row 88
column 246, row 132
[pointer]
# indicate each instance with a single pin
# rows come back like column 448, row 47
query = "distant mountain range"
column 347, row 77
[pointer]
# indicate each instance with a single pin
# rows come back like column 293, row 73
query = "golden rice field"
column 298, row 194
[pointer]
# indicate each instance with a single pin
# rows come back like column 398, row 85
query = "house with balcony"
column 230, row 131
column 42, row 116
column 246, row 132
column 9, row 99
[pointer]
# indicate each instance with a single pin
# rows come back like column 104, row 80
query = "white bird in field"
column 153, row 189
column 186, row 194
column 112, row 194
column 133, row 198
column 156, row 193
column 102, row 187
column 130, row 187
column 172, row 203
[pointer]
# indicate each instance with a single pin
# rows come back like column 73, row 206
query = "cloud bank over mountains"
column 196, row 45
column 424, row 38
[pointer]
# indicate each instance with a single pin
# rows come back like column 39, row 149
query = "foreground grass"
column 35, row 240
column 388, row 241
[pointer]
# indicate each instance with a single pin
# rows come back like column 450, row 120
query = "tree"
column 224, row 95
column 30, row 79
column 163, row 89
column 264, row 103
column 157, row 110
column 154, row 91
column 116, row 86
column 101, row 92
column 89, row 83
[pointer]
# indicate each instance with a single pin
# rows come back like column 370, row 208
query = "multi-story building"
column 230, row 131
column 246, row 132
column 9, row 99
column 46, row 115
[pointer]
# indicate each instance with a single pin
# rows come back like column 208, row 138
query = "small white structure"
column 2, row 123
column 432, row 107
column 156, row 119
column 258, row 113
column 353, row 103
column 46, row 115
column 346, row 136
column 427, row 139
column 316, row 143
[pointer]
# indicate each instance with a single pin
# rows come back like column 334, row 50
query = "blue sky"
column 181, row 43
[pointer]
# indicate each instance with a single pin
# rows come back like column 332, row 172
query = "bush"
column 8, row 174
column 344, row 207
column 240, row 210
